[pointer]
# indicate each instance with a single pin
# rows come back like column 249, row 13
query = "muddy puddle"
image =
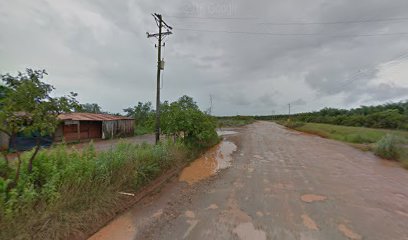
column 216, row 158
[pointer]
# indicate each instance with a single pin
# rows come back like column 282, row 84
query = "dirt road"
column 281, row 185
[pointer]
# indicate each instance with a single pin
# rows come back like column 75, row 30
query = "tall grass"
column 292, row 124
column 393, row 148
column 387, row 147
column 349, row 134
column 70, row 193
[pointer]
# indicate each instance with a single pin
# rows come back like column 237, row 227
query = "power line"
column 338, row 22
column 214, row 18
column 295, row 23
column 292, row 34
column 397, row 60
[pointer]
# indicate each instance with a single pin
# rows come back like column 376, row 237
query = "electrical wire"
column 213, row 18
column 295, row 23
column 337, row 22
column 292, row 34
column 358, row 74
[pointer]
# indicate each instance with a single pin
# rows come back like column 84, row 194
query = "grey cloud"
column 239, row 99
column 268, row 99
column 385, row 92
column 299, row 102
column 99, row 49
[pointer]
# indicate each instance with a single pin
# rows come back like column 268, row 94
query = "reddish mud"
column 109, row 232
column 216, row 158
column 312, row 198
column 280, row 185
column 348, row 232
column 309, row 223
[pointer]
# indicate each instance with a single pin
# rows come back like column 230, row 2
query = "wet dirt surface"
column 215, row 159
column 280, row 185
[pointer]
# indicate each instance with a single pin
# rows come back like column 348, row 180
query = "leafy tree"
column 90, row 108
column 187, row 103
column 3, row 93
column 143, row 115
column 28, row 108
column 141, row 111
column 183, row 119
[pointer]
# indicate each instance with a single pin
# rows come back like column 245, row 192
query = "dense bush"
column 184, row 120
column 68, row 190
column 388, row 147
column 181, row 119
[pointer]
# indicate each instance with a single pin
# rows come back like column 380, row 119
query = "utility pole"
column 289, row 108
column 160, row 64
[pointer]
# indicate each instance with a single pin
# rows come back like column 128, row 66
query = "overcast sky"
column 253, row 57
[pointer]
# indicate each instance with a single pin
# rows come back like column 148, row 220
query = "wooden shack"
column 76, row 127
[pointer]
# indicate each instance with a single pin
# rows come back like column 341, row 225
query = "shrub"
column 184, row 119
column 293, row 124
column 387, row 147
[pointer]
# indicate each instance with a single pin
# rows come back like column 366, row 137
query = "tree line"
column 389, row 116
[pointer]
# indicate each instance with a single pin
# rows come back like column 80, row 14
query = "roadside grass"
column 388, row 144
column 236, row 121
column 349, row 134
column 72, row 193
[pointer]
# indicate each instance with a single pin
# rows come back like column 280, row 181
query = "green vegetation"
column 292, row 124
column 387, row 147
column 349, row 134
column 394, row 148
column 90, row 108
column 27, row 107
column 388, row 144
column 184, row 120
column 144, row 117
column 181, row 119
column 235, row 121
column 69, row 194
column 62, row 193
column 387, row 116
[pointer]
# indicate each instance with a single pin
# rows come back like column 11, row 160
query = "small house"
column 77, row 127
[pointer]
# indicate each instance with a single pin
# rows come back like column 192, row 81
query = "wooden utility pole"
column 160, row 64
column 289, row 108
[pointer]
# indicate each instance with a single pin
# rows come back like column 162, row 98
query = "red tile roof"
column 91, row 117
